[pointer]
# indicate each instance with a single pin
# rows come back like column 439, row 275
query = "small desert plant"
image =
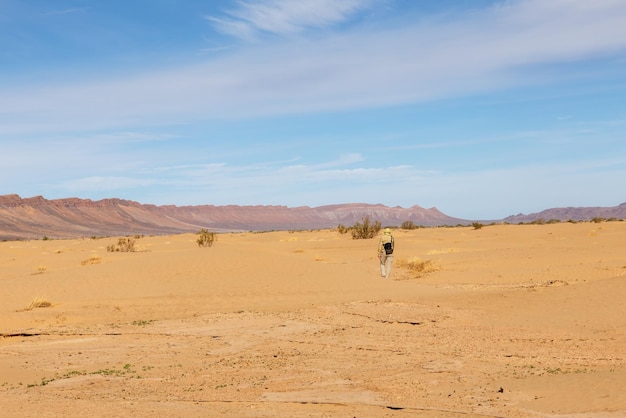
column 124, row 245
column 597, row 220
column 206, row 238
column 417, row 266
column 38, row 303
column 143, row 322
column 477, row 225
column 365, row 230
column 408, row 225
column 94, row 259
column 342, row 229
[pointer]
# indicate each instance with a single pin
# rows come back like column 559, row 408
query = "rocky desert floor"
column 503, row 321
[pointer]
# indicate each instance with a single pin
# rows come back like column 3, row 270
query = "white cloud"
column 103, row 184
column 284, row 16
column 479, row 52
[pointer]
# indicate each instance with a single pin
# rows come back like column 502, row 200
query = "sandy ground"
column 513, row 321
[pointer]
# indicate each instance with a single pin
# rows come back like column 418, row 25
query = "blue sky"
column 480, row 108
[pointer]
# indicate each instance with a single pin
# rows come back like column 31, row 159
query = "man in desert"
column 385, row 252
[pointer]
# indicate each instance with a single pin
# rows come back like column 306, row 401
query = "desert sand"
column 509, row 321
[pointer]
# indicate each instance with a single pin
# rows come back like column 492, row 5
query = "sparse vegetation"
column 417, row 266
column 477, row 225
column 38, row 303
column 408, row 225
column 124, row 245
column 94, row 259
column 342, row 229
column 206, row 238
column 143, row 322
column 366, row 229
column 126, row 370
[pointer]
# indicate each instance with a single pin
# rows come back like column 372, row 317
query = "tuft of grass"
column 417, row 266
column 143, row 322
column 38, row 303
column 94, row 259
column 41, row 269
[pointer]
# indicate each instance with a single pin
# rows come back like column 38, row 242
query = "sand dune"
column 511, row 321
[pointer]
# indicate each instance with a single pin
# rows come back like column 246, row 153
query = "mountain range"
column 37, row 217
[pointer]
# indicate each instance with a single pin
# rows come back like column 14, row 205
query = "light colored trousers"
column 385, row 265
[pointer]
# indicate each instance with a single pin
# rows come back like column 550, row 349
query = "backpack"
column 388, row 246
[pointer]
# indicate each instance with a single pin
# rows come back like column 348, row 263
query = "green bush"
column 365, row 230
column 206, row 238
column 477, row 225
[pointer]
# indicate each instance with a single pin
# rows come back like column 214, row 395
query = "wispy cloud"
column 481, row 52
column 103, row 184
column 284, row 17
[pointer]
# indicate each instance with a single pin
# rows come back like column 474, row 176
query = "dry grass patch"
column 94, row 259
column 417, row 266
column 37, row 303
column 40, row 270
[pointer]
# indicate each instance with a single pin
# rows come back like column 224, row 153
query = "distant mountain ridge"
column 571, row 213
column 37, row 217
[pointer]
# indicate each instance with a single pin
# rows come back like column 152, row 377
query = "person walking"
column 385, row 253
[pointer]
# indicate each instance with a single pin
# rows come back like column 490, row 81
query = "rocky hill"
column 571, row 213
column 37, row 217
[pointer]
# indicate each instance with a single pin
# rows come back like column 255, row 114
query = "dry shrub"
column 366, row 229
column 417, row 266
column 124, row 245
column 408, row 225
column 206, row 238
column 38, row 303
column 342, row 229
